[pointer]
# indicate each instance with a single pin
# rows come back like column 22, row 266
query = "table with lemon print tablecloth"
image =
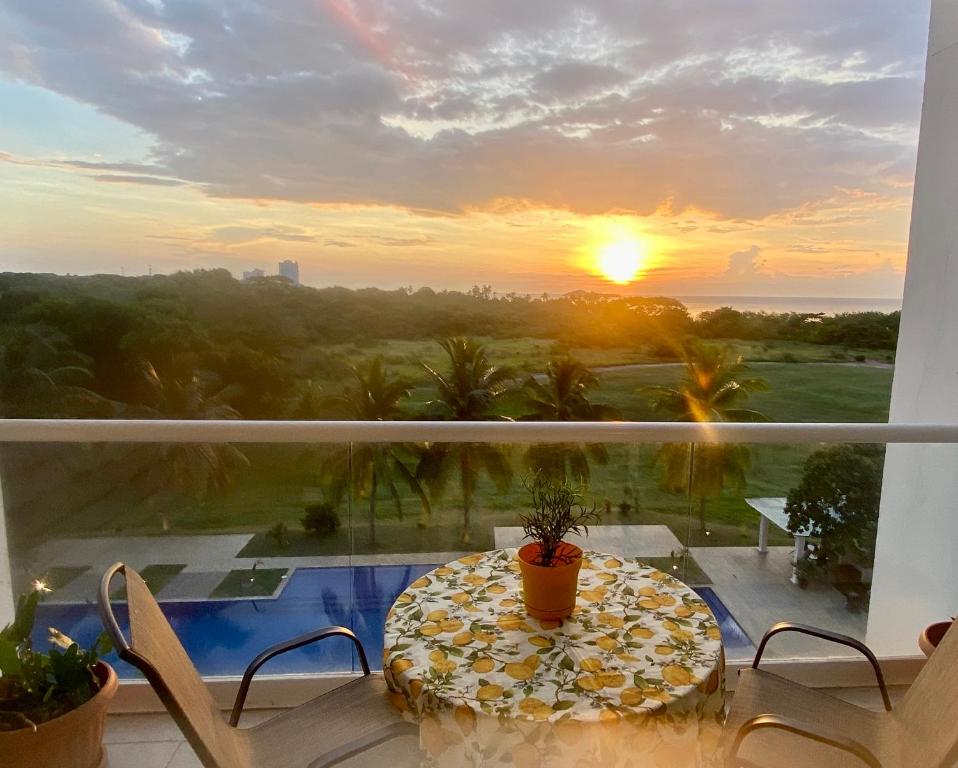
column 635, row 677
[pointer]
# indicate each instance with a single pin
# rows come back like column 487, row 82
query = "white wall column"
column 916, row 563
column 6, row 582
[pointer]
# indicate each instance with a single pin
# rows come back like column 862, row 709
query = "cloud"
column 745, row 264
column 155, row 181
column 611, row 105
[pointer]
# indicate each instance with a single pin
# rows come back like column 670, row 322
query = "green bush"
column 279, row 533
column 321, row 519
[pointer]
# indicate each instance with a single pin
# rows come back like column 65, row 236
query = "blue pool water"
column 222, row 636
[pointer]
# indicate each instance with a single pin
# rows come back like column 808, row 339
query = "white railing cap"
column 172, row 431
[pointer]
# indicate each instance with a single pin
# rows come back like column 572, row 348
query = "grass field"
column 282, row 479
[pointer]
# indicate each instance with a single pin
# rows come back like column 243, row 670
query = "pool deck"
column 754, row 586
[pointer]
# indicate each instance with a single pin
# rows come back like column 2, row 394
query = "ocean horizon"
column 826, row 305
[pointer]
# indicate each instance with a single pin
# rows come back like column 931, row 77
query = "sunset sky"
column 731, row 147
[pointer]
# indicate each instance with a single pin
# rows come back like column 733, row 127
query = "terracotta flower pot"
column 931, row 635
column 73, row 740
column 549, row 592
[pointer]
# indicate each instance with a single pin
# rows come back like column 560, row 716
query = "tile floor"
column 154, row 741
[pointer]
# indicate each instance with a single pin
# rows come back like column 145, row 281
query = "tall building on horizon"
column 290, row 270
column 249, row 274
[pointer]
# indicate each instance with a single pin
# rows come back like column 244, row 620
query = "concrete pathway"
column 625, row 540
column 757, row 592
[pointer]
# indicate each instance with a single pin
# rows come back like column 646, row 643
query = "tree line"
column 83, row 346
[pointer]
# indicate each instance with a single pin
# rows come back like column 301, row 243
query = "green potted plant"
column 52, row 705
column 549, row 565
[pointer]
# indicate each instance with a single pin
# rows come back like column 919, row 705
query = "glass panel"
column 785, row 533
column 251, row 545
column 243, row 546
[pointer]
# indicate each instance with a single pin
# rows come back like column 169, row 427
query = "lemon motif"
column 518, row 671
column 399, row 666
column 489, row 692
column 610, row 620
column 465, row 718
column 541, row 642
column 450, row 625
column 509, row 622
column 483, row 664
column 673, row 674
column 628, row 648
column 589, row 682
column 607, row 643
column 592, row 664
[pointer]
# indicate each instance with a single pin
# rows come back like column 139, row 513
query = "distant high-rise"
column 251, row 273
column 289, row 270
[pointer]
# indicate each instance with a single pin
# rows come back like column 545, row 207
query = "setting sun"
column 621, row 261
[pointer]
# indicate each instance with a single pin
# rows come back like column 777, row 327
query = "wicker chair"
column 775, row 722
column 322, row 732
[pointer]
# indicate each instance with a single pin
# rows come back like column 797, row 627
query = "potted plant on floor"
column 52, row 705
column 549, row 565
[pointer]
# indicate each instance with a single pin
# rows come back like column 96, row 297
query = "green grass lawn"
column 59, row 576
column 247, row 582
column 282, row 479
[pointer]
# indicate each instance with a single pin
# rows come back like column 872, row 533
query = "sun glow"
column 620, row 255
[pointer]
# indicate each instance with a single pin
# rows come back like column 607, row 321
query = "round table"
column 634, row 677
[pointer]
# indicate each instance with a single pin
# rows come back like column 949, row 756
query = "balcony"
column 232, row 583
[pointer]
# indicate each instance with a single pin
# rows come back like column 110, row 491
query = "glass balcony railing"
column 269, row 530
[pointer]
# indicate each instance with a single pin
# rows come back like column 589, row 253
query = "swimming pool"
column 223, row 636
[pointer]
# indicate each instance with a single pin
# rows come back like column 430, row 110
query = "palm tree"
column 194, row 469
column 563, row 395
column 372, row 397
column 711, row 389
column 469, row 392
column 41, row 375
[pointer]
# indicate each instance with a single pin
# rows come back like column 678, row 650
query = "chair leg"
column 391, row 731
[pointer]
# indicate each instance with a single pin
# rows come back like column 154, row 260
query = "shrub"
column 279, row 533
column 322, row 519
column 859, row 358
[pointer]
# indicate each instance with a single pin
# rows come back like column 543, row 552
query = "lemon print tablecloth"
column 635, row 677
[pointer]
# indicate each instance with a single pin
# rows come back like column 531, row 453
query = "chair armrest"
column 834, row 637
column 822, row 736
column 290, row 645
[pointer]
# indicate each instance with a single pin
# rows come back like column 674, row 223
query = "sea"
column 825, row 305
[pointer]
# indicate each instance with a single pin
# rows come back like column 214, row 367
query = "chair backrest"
column 928, row 713
column 157, row 652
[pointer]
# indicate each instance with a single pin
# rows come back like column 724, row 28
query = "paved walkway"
column 625, row 540
column 757, row 592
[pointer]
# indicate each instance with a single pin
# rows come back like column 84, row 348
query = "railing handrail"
column 185, row 431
